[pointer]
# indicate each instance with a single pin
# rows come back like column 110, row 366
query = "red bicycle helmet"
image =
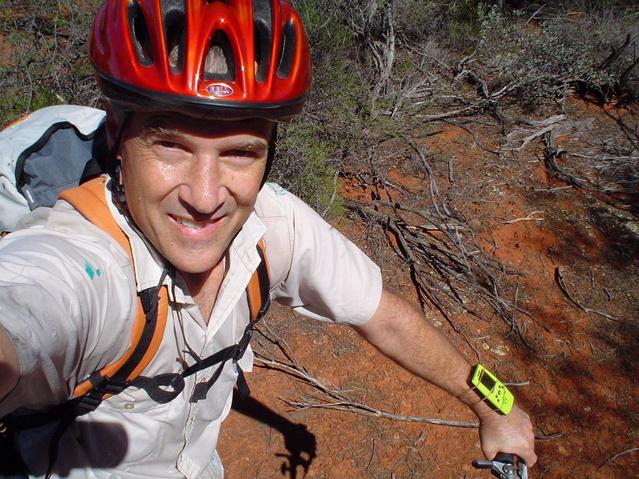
column 210, row 58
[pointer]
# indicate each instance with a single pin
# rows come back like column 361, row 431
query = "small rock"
column 501, row 350
column 633, row 227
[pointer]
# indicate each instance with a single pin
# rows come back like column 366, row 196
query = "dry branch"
column 551, row 153
column 622, row 170
column 481, row 106
column 337, row 399
column 462, row 72
column 473, row 134
column 448, row 269
column 334, row 398
column 614, row 54
column 562, row 285
column 622, row 453
column 530, row 217
column 544, row 126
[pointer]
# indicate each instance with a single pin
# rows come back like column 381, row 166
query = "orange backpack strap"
column 151, row 310
column 257, row 290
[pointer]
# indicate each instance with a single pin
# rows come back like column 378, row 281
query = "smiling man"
column 191, row 186
column 194, row 92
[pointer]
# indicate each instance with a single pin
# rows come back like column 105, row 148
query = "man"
column 194, row 91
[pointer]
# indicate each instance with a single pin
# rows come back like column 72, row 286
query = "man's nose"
column 204, row 190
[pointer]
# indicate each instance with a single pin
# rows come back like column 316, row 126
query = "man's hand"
column 511, row 434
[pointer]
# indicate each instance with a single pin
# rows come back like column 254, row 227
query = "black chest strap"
column 166, row 387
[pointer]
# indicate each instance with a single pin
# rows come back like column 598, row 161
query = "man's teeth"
column 192, row 224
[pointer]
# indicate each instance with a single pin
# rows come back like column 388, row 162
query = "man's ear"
column 112, row 128
column 115, row 124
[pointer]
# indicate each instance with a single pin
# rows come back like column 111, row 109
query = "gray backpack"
column 50, row 150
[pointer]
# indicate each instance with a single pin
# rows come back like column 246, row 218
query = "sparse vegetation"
column 587, row 53
column 43, row 56
column 374, row 62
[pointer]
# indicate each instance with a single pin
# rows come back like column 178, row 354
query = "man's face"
column 191, row 184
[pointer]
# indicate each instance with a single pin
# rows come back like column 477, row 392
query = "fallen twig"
column 614, row 54
column 548, row 437
column 547, row 125
column 622, row 453
column 535, row 14
column 448, row 269
column 478, row 107
column 551, row 153
column 473, row 134
column 537, row 134
column 562, row 285
column 451, row 178
column 530, row 217
column 339, row 400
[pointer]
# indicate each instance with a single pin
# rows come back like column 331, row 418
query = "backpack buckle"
column 244, row 342
column 102, row 385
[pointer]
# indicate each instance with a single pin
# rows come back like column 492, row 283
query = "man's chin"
column 193, row 258
column 202, row 267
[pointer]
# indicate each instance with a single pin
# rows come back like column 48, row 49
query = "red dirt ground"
column 577, row 378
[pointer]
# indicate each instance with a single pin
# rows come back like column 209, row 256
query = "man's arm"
column 399, row 331
column 9, row 365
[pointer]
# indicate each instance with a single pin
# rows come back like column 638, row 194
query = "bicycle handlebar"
column 504, row 466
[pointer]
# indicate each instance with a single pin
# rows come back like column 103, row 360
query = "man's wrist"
column 491, row 393
column 470, row 398
column 476, row 404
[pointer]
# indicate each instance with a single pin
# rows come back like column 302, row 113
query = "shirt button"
column 129, row 405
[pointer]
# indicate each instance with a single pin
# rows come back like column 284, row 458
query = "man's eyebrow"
column 156, row 125
column 252, row 145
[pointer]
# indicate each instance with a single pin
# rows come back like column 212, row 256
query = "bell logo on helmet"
column 219, row 89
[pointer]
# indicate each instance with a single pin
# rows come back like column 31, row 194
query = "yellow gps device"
column 489, row 387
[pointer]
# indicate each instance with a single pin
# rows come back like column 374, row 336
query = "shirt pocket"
column 212, row 407
column 132, row 400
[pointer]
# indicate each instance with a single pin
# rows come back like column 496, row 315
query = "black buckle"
column 244, row 342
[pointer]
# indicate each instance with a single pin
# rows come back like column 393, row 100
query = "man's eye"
column 241, row 153
column 169, row 144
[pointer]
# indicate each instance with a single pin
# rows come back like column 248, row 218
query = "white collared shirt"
column 67, row 298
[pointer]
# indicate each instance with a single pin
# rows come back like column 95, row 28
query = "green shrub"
column 44, row 55
column 305, row 166
column 543, row 62
column 311, row 148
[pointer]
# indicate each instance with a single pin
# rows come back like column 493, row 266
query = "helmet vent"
column 173, row 17
column 288, row 50
column 263, row 37
column 219, row 63
column 140, row 33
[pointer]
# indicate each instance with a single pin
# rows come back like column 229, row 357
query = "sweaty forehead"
column 180, row 124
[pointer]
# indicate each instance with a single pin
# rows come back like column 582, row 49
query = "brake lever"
column 504, row 466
